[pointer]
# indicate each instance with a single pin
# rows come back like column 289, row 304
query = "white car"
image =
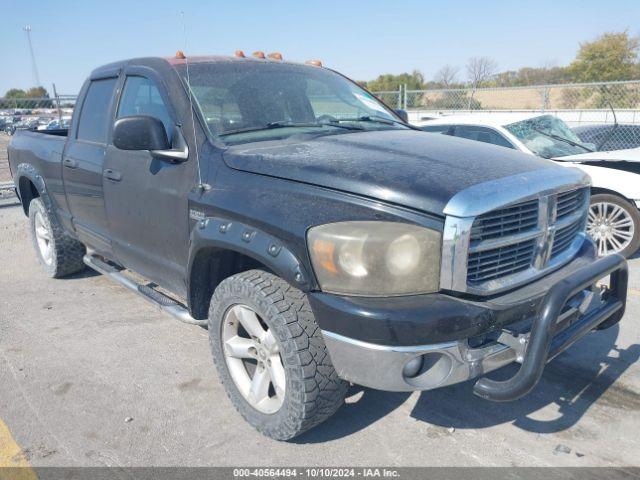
column 614, row 219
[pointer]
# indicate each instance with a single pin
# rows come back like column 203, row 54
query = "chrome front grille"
column 525, row 236
column 569, row 202
column 508, row 231
column 507, row 221
column 564, row 237
column 498, row 262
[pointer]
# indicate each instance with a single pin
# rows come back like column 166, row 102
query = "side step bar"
column 164, row 303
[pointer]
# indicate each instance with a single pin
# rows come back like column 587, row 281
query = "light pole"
column 27, row 29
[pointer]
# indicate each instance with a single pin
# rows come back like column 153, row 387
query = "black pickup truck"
column 320, row 238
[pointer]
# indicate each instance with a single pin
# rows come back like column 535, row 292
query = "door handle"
column 112, row 174
column 69, row 162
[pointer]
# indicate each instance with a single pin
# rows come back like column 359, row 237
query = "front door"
column 82, row 164
column 146, row 197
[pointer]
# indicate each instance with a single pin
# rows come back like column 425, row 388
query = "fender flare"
column 28, row 171
column 229, row 235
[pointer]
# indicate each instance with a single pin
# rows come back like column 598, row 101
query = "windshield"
column 247, row 101
column 547, row 136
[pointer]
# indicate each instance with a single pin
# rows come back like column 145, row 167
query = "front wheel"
column 614, row 225
column 271, row 356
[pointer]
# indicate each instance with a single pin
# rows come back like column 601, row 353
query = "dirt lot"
column 93, row 375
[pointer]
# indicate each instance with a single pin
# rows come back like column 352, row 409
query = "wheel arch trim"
column 607, row 191
column 230, row 236
column 26, row 171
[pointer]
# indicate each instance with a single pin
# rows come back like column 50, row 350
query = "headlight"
column 375, row 258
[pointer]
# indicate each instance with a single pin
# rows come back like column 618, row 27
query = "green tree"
column 35, row 97
column 612, row 56
column 37, row 92
column 413, row 81
column 15, row 93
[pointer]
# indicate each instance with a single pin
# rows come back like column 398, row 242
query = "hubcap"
column 610, row 226
column 253, row 359
column 43, row 238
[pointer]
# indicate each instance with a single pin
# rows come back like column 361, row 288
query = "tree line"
column 612, row 56
column 36, row 97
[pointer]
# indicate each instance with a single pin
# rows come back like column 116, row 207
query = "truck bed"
column 40, row 148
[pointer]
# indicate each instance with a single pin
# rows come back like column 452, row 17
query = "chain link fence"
column 588, row 105
column 591, row 96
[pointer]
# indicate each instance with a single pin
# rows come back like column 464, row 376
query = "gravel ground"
column 91, row 375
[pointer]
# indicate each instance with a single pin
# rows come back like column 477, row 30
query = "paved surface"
column 81, row 355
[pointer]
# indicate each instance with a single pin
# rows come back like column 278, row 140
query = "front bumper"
column 382, row 367
column 569, row 308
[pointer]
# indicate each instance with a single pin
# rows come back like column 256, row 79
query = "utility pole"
column 55, row 94
column 27, row 29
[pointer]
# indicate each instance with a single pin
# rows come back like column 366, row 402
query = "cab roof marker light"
column 258, row 54
column 275, row 56
column 239, row 54
column 180, row 55
column 315, row 63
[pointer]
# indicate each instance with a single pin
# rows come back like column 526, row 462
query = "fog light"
column 427, row 371
column 412, row 367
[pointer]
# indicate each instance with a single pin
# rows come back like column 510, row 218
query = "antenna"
column 190, row 93
column 36, row 76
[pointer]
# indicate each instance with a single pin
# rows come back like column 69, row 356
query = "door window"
column 482, row 134
column 437, row 129
column 141, row 96
column 94, row 116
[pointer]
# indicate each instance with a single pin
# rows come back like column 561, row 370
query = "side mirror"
column 140, row 132
column 404, row 116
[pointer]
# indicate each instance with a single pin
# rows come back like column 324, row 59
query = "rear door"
column 82, row 163
column 146, row 196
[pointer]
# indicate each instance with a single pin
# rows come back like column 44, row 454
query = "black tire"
column 313, row 390
column 65, row 252
column 633, row 213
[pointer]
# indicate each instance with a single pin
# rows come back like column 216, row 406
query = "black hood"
column 405, row 167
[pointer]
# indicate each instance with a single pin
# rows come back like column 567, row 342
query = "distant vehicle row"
column 10, row 124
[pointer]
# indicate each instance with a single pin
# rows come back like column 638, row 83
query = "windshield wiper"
column 376, row 119
column 282, row 124
column 562, row 139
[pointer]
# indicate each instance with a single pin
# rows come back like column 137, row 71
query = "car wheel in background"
column 271, row 356
column 614, row 225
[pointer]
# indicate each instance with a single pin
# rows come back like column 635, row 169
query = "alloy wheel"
column 252, row 354
column 43, row 238
column 610, row 226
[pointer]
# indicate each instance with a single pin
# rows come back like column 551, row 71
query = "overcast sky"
column 359, row 38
